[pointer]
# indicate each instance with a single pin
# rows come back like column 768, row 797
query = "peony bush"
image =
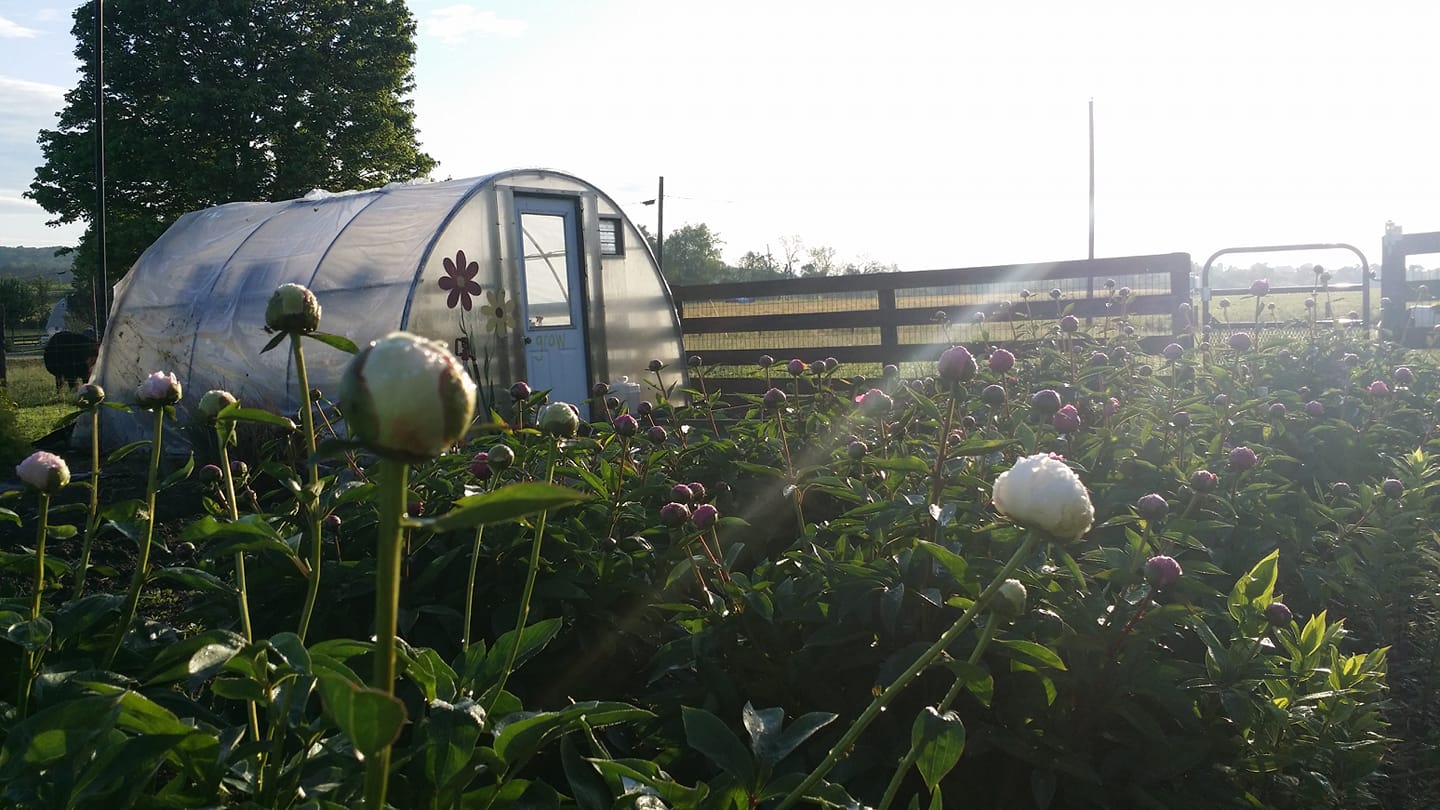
column 1060, row 573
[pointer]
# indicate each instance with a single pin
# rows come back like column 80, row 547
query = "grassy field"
column 33, row 389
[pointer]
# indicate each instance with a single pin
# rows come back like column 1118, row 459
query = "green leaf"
column 586, row 785
column 344, row 344
column 125, row 450
column 953, row 563
column 7, row 516
column 793, row 736
column 274, row 341
column 197, row 657
column 532, row 640
column 650, row 775
column 60, row 732
column 194, row 579
column 369, row 717
column 63, row 531
column 256, row 415
column 451, row 733
column 119, row 774
column 1257, row 587
column 180, row 474
column 762, row 725
column 710, row 736
column 249, row 533
column 31, row 634
column 937, row 740
column 504, row 504
column 1038, row 653
column 292, row 650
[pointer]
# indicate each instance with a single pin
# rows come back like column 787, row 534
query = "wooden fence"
column 882, row 318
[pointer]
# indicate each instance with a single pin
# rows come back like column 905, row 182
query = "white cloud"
column 12, row 203
column 10, row 29
column 453, row 25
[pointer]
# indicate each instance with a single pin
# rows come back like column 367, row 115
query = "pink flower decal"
column 460, row 281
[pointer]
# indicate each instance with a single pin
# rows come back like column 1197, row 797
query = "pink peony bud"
column 158, row 390
column 1243, row 458
column 1162, row 572
column 1404, row 376
column 1240, row 342
column 680, row 493
column 796, row 367
column 774, row 398
column 1045, row 401
column 44, row 471
column 1152, row 506
column 956, row 364
column 1259, row 287
column 705, row 516
column 480, row 465
column 625, row 425
column 1204, row 481
column 1067, row 419
column 674, row 514
column 1278, row 614
column 875, row 402
column 1069, row 323
column 1001, row 361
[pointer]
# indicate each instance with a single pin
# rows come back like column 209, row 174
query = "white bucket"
column 628, row 392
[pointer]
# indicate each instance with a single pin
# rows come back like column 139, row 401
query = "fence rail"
column 890, row 317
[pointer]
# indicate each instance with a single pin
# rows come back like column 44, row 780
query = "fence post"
column 4, row 379
column 889, row 331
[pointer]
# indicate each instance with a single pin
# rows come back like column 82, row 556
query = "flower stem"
column 92, row 519
column 529, row 588
column 31, row 658
column 137, row 580
column 992, row 622
column 393, row 484
column 222, row 434
column 311, row 505
column 884, row 699
column 470, row 583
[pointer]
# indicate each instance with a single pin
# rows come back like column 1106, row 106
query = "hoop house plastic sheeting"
column 527, row 274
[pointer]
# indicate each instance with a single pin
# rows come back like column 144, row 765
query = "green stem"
column 31, row 659
column 223, row 433
column 92, row 519
column 470, row 583
column 992, row 622
column 528, row 592
column 137, row 580
column 311, row 504
column 937, row 475
column 905, row 678
column 393, row 484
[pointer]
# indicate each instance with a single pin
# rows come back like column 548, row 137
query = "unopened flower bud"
column 1066, row 420
column 480, row 466
column 625, row 425
column 211, row 474
column 993, row 395
column 406, row 398
column 500, row 457
column 1173, row 352
column 213, row 402
column 559, row 419
column 1315, row 408
column 158, row 390
column 331, row 523
column 89, row 395
column 1010, row 600
column 1393, row 488
column 520, row 391
column 657, row 434
column 1069, row 323
column 680, row 493
column 1152, row 506
column 875, row 402
column 705, row 516
column 1340, row 489
column 1204, row 481
column 774, row 398
column 1240, row 342
column 674, row 514
column 697, row 491
column 292, row 308
column 1243, row 458
column 1162, row 572
column 856, row 450
column 956, row 364
column 1278, row 614
column 1001, row 361
column 1045, row 401
column 796, row 367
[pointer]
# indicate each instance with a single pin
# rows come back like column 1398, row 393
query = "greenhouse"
column 526, row 274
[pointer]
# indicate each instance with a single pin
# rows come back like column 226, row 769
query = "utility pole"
column 1092, row 178
column 660, row 226
column 99, row 282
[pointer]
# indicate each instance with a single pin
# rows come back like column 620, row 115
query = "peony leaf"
column 504, row 504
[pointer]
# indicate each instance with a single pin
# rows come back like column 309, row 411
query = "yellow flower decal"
column 499, row 312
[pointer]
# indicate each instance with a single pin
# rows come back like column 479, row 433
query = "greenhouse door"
column 554, row 315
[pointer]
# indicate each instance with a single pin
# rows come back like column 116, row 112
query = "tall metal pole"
column 660, row 226
column 1092, row 178
column 99, row 282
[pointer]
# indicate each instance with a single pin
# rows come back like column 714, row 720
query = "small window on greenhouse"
column 610, row 242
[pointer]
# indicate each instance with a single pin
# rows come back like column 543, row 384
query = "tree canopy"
column 693, row 256
column 223, row 100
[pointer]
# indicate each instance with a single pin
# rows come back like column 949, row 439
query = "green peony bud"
column 89, row 395
column 559, row 419
column 1010, row 599
column 292, row 308
column 215, row 401
column 406, row 398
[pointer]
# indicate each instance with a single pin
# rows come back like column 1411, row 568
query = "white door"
column 552, row 302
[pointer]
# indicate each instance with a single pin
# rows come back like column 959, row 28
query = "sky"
column 927, row 134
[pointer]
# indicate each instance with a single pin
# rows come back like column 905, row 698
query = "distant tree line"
column 27, row 301
column 692, row 255
column 29, row 262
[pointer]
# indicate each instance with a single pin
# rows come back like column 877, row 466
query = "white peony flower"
column 406, row 397
column 1042, row 492
column 44, row 471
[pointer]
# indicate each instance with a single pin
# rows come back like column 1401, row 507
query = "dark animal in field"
column 70, row 356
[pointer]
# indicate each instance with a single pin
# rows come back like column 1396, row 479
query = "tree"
column 223, row 100
column 692, row 256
